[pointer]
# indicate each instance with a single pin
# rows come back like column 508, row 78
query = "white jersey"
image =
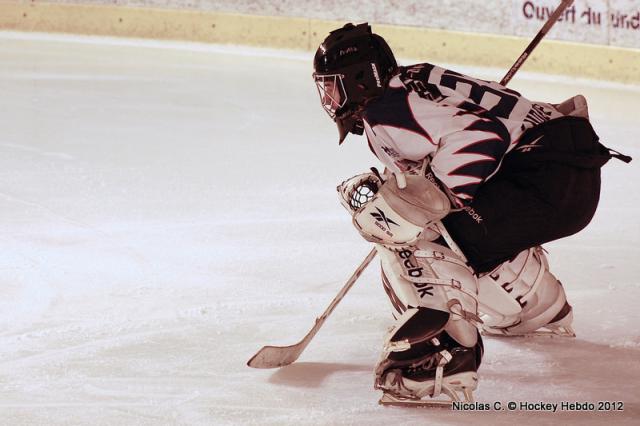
column 464, row 124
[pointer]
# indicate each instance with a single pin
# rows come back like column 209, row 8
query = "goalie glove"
column 385, row 214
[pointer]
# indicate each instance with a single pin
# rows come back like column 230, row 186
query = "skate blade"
column 393, row 401
column 457, row 388
column 563, row 332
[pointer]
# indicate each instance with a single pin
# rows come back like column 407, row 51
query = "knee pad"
column 521, row 295
column 435, row 280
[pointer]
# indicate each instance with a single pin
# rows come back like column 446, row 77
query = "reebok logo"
column 423, row 289
column 390, row 152
column 375, row 74
column 415, row 271
column 381, row 217
column 474, row 214
column 528, row 147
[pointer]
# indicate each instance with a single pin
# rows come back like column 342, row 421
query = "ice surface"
column 167, row 209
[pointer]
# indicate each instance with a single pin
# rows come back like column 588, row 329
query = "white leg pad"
column 521, row 296
column 434, row 277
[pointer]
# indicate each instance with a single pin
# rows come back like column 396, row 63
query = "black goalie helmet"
column 351, row 67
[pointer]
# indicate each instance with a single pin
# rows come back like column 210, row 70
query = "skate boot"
column 522, row 298
column 427, row 373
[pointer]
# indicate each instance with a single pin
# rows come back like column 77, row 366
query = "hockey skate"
column 431, row 374
column 522, row 298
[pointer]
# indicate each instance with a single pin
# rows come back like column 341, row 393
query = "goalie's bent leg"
column 522, row 298
column 434, row 349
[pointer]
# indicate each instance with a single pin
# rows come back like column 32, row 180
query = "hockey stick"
column 279, row 356
column 545, row 29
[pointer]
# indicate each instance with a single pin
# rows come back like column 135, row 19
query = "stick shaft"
column 545, row 29
column 278, row 356
column 352, row 280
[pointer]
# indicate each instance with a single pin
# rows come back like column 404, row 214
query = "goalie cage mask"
column 352, row 66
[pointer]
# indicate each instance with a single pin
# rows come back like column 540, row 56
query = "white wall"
column 606, row 22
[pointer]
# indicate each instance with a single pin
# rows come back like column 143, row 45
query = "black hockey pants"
column 547, row 188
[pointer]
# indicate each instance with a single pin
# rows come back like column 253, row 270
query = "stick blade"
column 275, row 356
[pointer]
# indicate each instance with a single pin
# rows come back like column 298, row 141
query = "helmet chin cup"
column 348, row 122
column 342, row 130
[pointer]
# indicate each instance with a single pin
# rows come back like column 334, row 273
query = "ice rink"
column 167, row 209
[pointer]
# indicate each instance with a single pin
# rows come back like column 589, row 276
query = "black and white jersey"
column 464, row 124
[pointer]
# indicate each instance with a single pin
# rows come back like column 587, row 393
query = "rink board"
column 553, row 57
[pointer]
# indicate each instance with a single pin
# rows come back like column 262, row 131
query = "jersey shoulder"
column 394, row 110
